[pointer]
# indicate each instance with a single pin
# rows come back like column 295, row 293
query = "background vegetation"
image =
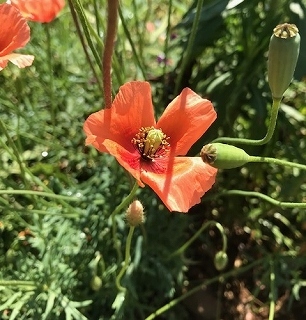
column 60, row 252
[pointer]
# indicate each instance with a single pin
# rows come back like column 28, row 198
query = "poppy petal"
column 131, row 110
column 185, row 120
column 184, row 183
column 15, row 33
column 43, row 11
column 20, row 60
column 130, row 161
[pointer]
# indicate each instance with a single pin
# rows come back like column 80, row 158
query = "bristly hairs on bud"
column 135, row 214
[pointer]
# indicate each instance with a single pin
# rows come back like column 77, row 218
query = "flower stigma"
column 151, row 143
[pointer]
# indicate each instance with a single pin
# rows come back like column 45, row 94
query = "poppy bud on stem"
column 282, row 58
column 135, row 213
column 224, row 156
column 220, row 260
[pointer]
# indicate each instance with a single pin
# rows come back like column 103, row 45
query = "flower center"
column 151, row 143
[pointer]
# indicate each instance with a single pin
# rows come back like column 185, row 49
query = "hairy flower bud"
column 282, row 58
column 135, row 213
column 224, row 156
column 221, row 260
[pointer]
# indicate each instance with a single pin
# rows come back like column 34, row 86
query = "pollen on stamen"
column 151, row 143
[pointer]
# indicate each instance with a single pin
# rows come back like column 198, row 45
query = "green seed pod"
column 220, row 260
column 224, row 156
column 282, row 58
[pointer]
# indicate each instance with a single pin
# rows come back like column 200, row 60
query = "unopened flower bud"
column 224, row 156
column 96, row 283
column 282, row 58
column 135, row 213
column 220, row 260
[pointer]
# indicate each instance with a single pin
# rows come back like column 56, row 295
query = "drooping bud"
column 282, row 58
column 224, row 156
column 96, row 283
column 221, row 260
column 135, row 214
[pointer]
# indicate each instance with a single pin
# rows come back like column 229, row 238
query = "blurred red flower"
column 39, row 10
column 151, row 151
column 14, row 34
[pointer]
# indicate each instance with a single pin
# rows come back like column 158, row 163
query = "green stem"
column 128, row 35
column 277, row 161
column 122, row 205
column 263, row 197
column 86, row 27
column 167, row 41
column 272, row 292
column 15, row 153
column 232, row 273
column 84, row 46
column 204, row 226
column 126, row 260
column 25, row 172
column 266, row 138
column 51, row 77
column 40, row 193
column 189, row 48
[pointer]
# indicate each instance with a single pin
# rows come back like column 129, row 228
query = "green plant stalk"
column 15, row 154
column 277, row 161
column 85, row 25
column 97, row 16
column 204, row 226
column 128, row 35
column 51, row 77
column 272, row 292
column 266, row 138
column 84, row 46
column 138, row 28
column 25, row 172
column 122, row 205
column 263, row 197
column 166, row 48
column 40, row 193
column 189, row 48
column 204, row 284
column 126, row 260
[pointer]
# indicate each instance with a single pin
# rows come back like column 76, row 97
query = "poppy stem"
column 266, row 138
column 263, row 197
column 112, row 217
column 111, row 29
column 232, row 273
column 181, row 250
column 126, row 260
column 277, row 161
column 272, row 290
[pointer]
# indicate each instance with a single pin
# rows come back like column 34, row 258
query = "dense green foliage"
column 60, row 251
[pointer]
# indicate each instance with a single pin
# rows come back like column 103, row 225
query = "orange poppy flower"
column 39, row 10
column 14, row 34
column 153, row 152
